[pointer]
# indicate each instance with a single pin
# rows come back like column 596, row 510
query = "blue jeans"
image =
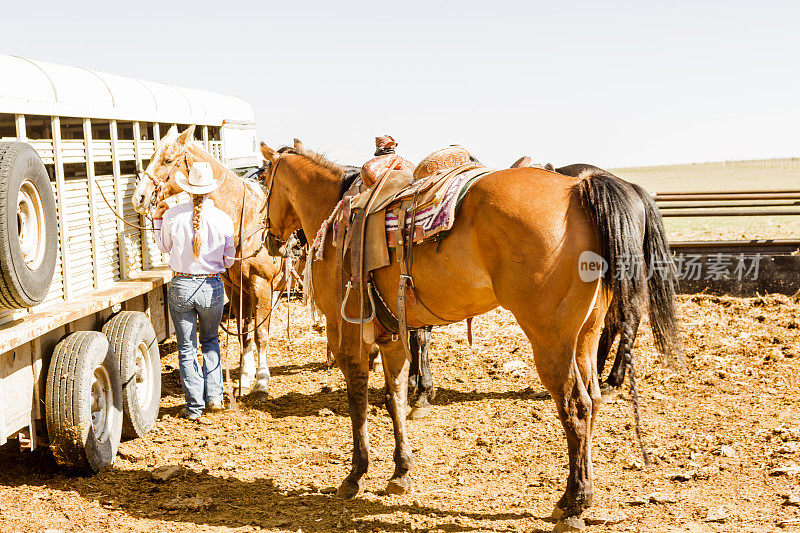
column 196, row 306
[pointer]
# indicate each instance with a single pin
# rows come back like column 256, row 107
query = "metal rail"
column 729, row 203
column 717, row 212
column 751, row 247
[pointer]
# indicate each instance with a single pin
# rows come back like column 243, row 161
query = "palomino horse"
column 526, row 239
column 245, row 203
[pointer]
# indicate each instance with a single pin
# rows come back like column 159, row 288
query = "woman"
column 199, row 240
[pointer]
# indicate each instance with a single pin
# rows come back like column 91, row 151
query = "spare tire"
column 28, row 227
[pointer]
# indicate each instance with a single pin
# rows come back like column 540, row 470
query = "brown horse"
column 245, row 203
column 525, row 239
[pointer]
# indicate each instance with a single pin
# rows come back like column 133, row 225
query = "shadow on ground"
column 231, row 502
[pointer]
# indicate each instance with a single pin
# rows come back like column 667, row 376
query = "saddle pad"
column 436, row 212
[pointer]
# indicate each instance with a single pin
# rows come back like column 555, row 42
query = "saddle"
column 378, row 166
column 399, row 210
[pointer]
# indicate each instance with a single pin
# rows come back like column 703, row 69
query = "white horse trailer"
column 82, row 294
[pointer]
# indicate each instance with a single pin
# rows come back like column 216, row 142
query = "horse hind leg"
column 628, row 330
column 420, row 378
column 607, row 338
column 567, row 367
column 578, row 411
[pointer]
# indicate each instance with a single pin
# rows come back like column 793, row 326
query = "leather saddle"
column 360, row 232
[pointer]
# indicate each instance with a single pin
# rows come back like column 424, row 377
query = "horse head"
column 282, row 219
column 175, row 154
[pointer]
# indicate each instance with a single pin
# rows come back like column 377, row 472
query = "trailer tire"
column 83, row 402
column 28, row 227
column 133, row 339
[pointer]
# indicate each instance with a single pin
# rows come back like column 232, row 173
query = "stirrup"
column 344, row 303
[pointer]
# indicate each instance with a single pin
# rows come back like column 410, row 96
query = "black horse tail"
column 619, row 210
column 616, row 212
column 662, row 281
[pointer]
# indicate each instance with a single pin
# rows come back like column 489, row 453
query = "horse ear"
column 298, row 144
column 268, row 153
column 187, row 136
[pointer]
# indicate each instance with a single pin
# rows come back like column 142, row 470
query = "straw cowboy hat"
column 200, row 181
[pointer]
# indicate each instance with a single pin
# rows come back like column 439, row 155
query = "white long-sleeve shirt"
column 175, row 235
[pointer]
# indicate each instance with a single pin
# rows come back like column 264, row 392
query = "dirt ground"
column 724, row 436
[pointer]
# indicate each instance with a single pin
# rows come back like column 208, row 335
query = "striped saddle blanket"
column 438, row 199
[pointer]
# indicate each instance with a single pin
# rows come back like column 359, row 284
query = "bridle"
column 183, row 157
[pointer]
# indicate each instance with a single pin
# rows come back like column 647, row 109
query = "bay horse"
column 245, row 202
column 527, row 239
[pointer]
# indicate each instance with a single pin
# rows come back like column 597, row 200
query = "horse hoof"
column 607, row 389
column 571, row 523
column 400, row 485
column 419, row 412
column 349, row 490
column 259, row 395
column 260, row 387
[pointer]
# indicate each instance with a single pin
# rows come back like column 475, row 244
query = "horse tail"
column 662, row 281
column 631, row 232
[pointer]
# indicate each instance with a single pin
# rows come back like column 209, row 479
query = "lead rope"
column 116, row 213
column 287, row 276
column 241, row 293
column 228, row 386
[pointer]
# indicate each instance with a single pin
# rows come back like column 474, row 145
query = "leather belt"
column 185, row 275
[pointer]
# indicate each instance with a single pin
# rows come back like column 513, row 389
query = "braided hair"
column 197, row 200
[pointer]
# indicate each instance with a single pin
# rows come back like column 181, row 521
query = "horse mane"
column 316, row 158
column 351, row 174
column 347, row 174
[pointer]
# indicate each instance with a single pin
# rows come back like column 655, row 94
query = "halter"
column 158, row 184
column 273, row 168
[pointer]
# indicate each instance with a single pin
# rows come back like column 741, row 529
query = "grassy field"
column 729, row 176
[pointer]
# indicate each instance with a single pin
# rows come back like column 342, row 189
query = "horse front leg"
column 260, row 311
column 356, row 374
column 247, row 372
column 395, row 369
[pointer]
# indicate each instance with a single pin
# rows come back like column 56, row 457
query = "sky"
column 609, row 83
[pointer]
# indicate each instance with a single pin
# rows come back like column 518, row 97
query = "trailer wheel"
column 84, row 402
column 133, row 339
column 28, row 227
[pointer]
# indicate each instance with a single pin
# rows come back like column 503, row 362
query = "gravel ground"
column 724, row 436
